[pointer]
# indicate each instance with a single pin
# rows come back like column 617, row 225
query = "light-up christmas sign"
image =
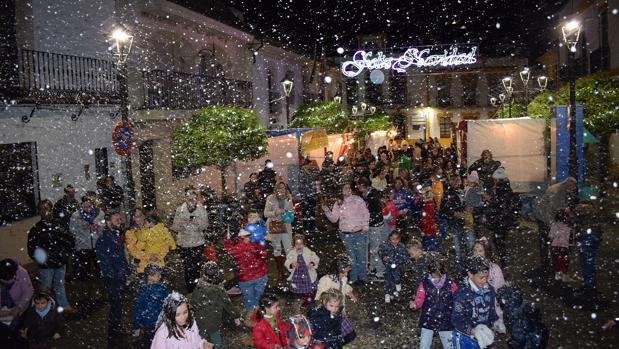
column 412, row 57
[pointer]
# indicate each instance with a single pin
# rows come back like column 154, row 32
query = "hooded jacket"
column 148, row 305
column 210, row 302
column 472, row 307
column 110, row 252
column 52, row 237
column 249, row 257
column 265, row 337
column 40, row 330
column 21, row 290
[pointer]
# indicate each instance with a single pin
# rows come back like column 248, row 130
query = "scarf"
column 44, row 312
column 89, row 217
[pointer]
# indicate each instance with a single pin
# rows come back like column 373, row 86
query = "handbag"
column 277, row 227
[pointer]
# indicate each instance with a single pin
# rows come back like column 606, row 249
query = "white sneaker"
column 558, row 276
column 398, row 287
column 387, row 298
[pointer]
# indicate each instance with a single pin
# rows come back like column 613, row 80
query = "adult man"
column 310, row 192
column 15, row 294
column 64, row 208
column 251, row 193
column 85, row 227
column 50, row 245
column 378, row 231
column 266, row 180
column 354, row 220
column 111, row 195
column 558, row 196
column 485, row 167
column 110, row 250
column 190, row 223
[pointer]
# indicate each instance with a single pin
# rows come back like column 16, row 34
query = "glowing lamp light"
column 542, row 81
column 337, row 99
column 502, row 97
column 525, row 74
column 122, row 43
column 364, row 106
column 328, row 79
column 354, row 109
column 340, row 50
column 372, row 110
column 287, row 86
column 507, row 83
column 493, row 101
column 571, row 33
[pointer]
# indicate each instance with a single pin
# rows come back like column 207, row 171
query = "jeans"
column 462, row 341
column 357, row 248
column 392, row 278
column 587, row 259
column 376, row 236
column 116, row 293
column 478, row 216
column 55, row 276
column 147, row 336
column 85, row 264
column 426, row 338
column 214, row 338
column 191, row 258
column 544, row 246
column 252, row 291
column 277, row 240
column 460, row 237
column 441, row 223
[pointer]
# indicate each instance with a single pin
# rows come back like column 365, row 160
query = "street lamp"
column 337, row 99
column 571, row 33
column 542, row 81
column 502, row 99
column 287, row 86
column 525, row 75
column 372, row 110
column 353, row 110
column 507, row 84
column 122, row 43
column 364, row 106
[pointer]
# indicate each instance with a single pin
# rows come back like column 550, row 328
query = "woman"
column 502, row 209
column 278, row 205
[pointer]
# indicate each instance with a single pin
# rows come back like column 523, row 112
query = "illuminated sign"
column 412, row 57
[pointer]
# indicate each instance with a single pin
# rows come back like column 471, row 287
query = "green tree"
column 327, row 115
column 217, row 136
column 599, row 94
column 364, row 127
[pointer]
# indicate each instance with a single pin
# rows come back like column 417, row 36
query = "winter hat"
column 212, row 273
column 473, row 177
column 300, row 328
column 500, row 173
column 244, row 232
column 152, row 269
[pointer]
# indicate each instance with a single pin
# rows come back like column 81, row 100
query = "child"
column 418, row 261
column 176, row 328
column 340, row 282
column 302, row 264
column 435, row 299
column 394, row 256
column 474, row 307
column 588, row 237
column 269, row 331
column 151, row 244
column 495, row 276
column 257, row 227
column 428, row 222
column 390, row 212
column 300, row 334
column 148, row 304
column 327, row 319
column 251, row 268
column 41, row 324
column 210, row 302
column 559, row 235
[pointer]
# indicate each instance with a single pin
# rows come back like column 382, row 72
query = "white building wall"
column 64, row 146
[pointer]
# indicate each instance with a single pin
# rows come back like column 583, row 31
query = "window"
column 19, row 181
column 469, row 90
column 443, row 91
column 101, row 163
column 445, row 124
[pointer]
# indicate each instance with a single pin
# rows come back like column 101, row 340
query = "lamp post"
column 502, row 99
column 525, row 75
column 287, row 86
column 337, row 99
column 507, row 85
column 542, row 82
column 571, row 33
column 122, row 43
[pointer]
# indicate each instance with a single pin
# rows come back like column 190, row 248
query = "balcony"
column 175, row 90
column 45, row 77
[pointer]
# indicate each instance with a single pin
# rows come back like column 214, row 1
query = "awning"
column 314, row 139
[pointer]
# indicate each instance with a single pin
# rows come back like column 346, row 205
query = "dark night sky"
column 500, row 27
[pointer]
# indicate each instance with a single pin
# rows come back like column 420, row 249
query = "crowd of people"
column 407, row 208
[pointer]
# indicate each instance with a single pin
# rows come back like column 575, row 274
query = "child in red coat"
column 269, row 331
column 428, row 224
column 251, row 267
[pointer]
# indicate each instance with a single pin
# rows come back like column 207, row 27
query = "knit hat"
column 500, row 173
column 473, row 177
column 300, row 328
column 212, row 273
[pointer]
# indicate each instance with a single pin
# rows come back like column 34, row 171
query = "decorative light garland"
column 412, row 57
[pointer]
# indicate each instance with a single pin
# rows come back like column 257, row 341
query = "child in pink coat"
column 559, row 235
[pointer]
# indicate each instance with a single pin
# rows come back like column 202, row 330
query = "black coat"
column 326, row 329
column 112, row 198
column 41, row 330
column 54, row 239
column 375, row 207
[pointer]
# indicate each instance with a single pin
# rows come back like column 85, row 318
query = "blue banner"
column 562, row 147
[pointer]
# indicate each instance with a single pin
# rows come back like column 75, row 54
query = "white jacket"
column 309, row 257
column 190, row 231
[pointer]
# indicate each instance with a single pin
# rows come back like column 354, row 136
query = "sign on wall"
column 416, row 57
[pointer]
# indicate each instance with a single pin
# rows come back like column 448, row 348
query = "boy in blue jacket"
column 148, row 305
column 394, row 256
column 473, row 313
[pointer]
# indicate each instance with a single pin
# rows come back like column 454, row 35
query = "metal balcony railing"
column 177, row 90
column 58, row 77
